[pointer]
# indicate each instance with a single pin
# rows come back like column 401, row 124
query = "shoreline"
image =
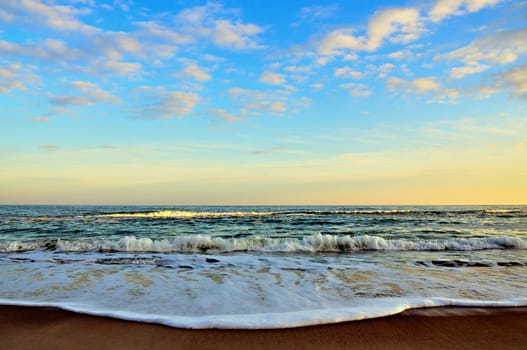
column 23, row 327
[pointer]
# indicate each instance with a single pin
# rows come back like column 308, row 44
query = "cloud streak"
column 516, row 80
column 272, row 78
column 39, row 14
column 88, row 95
column 502, row 47
column 164, row 104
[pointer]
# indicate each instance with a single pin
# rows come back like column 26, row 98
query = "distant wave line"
column 184, row 214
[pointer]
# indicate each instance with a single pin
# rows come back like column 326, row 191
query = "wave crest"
column 189, row 214
column 318, row 243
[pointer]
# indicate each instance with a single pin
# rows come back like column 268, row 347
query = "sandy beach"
column 443, row 328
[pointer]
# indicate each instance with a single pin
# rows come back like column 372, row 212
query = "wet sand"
column 442, row 328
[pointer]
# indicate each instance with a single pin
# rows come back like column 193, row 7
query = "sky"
column 263, row 102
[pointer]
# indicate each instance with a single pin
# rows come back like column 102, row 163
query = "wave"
column 184, row 214
column 282, row 212
column 366, row 309
column 505, row 211
column 189, row 214
column 318, row 243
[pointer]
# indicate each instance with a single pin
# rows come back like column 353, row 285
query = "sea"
column 261, row 267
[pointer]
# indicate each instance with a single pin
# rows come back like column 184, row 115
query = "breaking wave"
column 313, row 244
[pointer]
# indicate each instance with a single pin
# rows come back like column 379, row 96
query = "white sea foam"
column 315, row 243
column 506, row 211
column 312, row 244
column 370, row 308
column 179, row 214
column 15, row 246
column 188, row 214
column 250, row 290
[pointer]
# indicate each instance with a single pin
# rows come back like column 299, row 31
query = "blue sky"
column 263, row 102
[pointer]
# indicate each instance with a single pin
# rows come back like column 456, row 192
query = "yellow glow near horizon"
column 418, row 177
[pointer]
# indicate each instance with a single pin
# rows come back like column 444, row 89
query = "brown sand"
column 44, row 328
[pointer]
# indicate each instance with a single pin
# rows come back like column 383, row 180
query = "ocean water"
column 261, row 267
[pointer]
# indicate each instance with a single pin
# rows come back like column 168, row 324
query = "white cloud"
column 16, row 77
column 61, row 111
column 317, row 86
column 97, row 58
column 360, row 93
column 6, row 73
column 161, row 104
column 384, row 69
column 460, row 72
column 447, row 8
column 8, row 86
column 356, row 89
column 235, row 35
column 226, row 116
column 272, row 78
column 51, row 50
column 338, row 40
column 417, row 86
column 37, row 13
column 323, row 60
column 159, row 31
column 211, row 22
column 115, row 45
column 486, row 91
column 260, row 101
column 82, row 85
column 300, row 69
column 70, row 100
column 95, row 94
column 199, row 14
column 350, row 57
column 89, row 95
column 176, row 103
column 304, row 102
column 501, row 47
column 400, row 55
column 393, row 24
column 516, row 79
column 123, row 53
column 396, row 25
column 424, row 85
column 346, row 72
column 192, row 70
column 117, row 68
column 278, row 106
